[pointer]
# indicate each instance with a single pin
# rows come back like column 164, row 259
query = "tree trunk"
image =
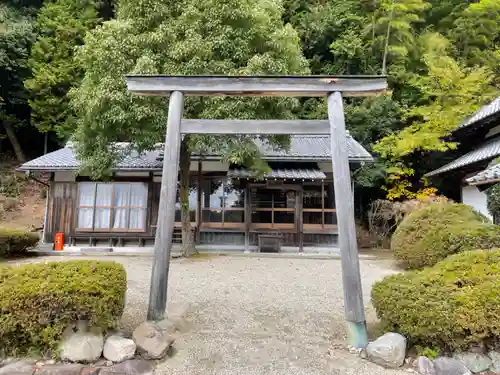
column 386, row 44
column 188, row 247
column 11, row 134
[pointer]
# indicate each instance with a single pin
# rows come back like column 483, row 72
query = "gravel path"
column 254, row 315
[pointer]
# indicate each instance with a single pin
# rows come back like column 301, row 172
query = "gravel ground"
column 254, row 315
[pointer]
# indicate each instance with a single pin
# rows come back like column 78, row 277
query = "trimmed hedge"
column 431, row 233
column 39, row 301
column 16, row 241
column 450, row 305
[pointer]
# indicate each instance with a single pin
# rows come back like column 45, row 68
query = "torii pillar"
column 332, row 87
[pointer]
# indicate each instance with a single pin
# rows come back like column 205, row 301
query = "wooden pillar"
column 353, row 296
column 199, row 217
column 299, row 202
column 248, row 216
column 166, row 212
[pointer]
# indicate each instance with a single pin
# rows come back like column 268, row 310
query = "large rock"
column 152, row 341
column 476, row 362
column 495, row 361
column 119, row 349
column 82, row 346
column 388, row 350
column 450, row 366
column 60, row 369
column 18, row 368
column 131, row 367
column 425, row 366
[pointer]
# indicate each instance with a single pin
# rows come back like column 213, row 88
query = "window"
column 223, row 204
column 319, row 206
column 112, row 206
column 272, row 208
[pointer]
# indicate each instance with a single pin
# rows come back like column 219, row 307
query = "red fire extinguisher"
column 59, row 241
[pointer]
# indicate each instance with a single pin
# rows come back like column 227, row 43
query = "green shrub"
column 431, row 233
column 16, row 241
column 448, row 306
column 39, row 301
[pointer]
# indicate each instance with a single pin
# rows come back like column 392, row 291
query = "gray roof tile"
column 484, row 112
column 489, row 175
column 281, row 173
column 489, row 150
column 305, row 147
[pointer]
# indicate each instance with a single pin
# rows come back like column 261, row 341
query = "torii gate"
column 311, row 86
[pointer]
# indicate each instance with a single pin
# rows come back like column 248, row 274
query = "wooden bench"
column 270, row 243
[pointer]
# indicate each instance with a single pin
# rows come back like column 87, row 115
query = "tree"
column 16, row 36
column 180, row 37
column 449, row 92
column 61, row 26
column 477, row 35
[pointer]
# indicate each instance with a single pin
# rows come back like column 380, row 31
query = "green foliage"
column 431, row 353
column 433, row 232
column 448, row 306
column 39, row 301
column 493, row 201
column 16, row 36
column 60, row 26
column 15, row 241
column 182, row 37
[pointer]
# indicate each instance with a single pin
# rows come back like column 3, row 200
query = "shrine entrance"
column 332, row 87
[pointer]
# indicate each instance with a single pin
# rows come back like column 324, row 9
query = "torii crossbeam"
column 333, row 87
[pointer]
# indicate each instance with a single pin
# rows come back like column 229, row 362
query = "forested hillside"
column 442, row 58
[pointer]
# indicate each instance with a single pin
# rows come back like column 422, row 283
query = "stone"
column 60, row 369
column 167, row 326
column 495, row 361
column 94, row 370
column 388, row 350
column 82, row 346
column 18, row 368
column 130, row 367
column 425, row 366
column 152, row 342
column 475, row 362
column 119, row 349
column 450, row 366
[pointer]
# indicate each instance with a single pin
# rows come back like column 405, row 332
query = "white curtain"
column 104, row 195
column 138, row 203
column 122, row 197
column 86, row 204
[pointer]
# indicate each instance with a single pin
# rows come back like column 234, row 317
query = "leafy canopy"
column 191, row 37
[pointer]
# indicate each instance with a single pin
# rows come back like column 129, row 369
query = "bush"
column 16, row 241
column 431, row 233
column 448, row 306
column 39, row 301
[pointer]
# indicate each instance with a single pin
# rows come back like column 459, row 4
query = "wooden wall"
column 62, row 209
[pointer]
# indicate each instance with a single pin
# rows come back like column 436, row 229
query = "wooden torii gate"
column 333, row 87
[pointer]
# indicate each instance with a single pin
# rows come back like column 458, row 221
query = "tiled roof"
column 285, row 173
column 314, row 148
column 484, row 112
column 489, row 175
column 487, row 151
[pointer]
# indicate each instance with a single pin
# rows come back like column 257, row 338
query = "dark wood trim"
column 248, row 215
column 300, row 219
column 199, row 216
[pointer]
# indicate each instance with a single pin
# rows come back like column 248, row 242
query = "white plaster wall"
column 64, row 176
column 476, row 199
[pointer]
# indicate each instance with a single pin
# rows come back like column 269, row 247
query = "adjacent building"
column 227, row 205
column 478, row 145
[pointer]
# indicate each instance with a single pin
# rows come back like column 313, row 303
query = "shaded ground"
column 255, row 315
